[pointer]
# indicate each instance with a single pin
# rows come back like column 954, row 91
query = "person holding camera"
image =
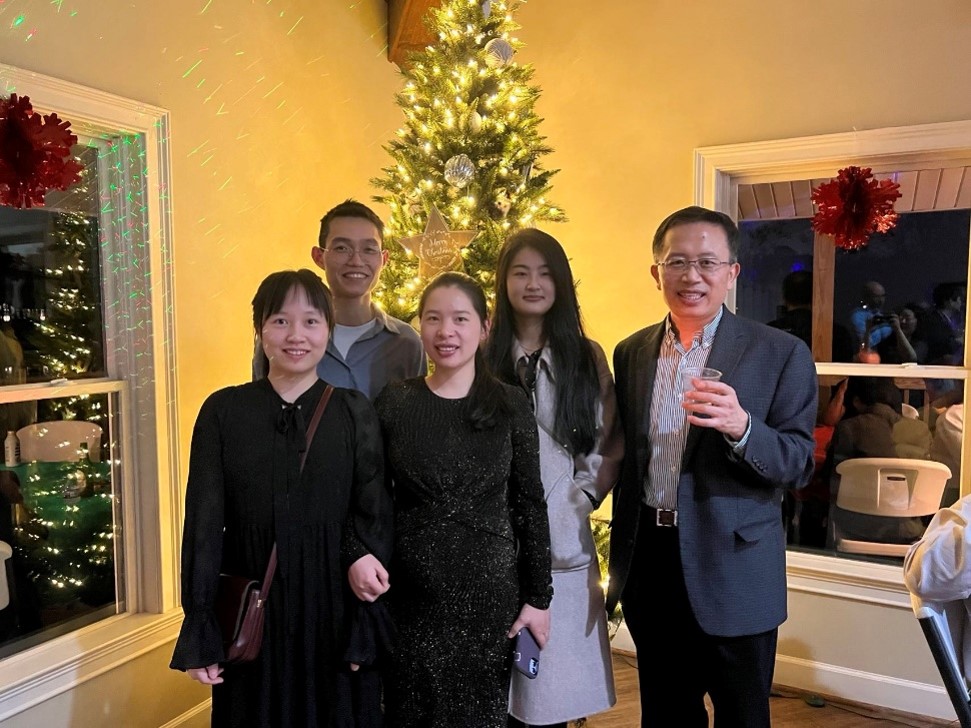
column 869, row 322
column 899, row 347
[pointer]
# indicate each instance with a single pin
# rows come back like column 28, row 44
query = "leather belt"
column 666, row 518
column 662, row 517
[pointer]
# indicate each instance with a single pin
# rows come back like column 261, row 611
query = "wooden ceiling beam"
column 407, row 31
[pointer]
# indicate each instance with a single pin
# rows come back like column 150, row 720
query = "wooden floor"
column 789, row 709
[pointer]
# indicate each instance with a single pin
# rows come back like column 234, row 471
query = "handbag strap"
column 311, row 431
column 314, row 421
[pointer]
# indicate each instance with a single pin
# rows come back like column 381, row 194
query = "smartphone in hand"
column 525, row 653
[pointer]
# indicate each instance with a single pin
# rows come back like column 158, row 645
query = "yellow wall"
column 291, row 100
column 279, row 108
column 631, row 87
column 283, row 117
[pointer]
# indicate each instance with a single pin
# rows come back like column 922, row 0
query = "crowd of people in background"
column 870, row 416
column 922, row 333
column 439, row 512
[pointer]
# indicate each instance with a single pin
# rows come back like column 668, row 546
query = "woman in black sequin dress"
column 331, row 523
column 463, row 454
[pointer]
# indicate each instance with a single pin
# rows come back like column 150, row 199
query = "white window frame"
column 140, row 356
column 719, row 170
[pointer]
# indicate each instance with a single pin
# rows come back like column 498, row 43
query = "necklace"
column 529, row 351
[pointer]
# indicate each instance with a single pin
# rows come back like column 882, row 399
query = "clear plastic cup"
column 688, row 374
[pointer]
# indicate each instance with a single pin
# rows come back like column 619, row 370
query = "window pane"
column 918, row 272
column 51, row 310
column 903, row 295
column 877, row 417
column 770, row 250
column 60, row 512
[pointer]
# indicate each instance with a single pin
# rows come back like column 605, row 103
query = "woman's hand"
column 206, row 675
column 538, row 621
column 368, row 578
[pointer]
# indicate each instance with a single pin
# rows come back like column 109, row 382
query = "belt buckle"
column 666, row 518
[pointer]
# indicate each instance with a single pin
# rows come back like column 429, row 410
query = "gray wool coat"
column 575, row 675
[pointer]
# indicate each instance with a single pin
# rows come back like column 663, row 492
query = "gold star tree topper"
column 438, row 248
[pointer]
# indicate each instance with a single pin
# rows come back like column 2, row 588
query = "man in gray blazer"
column 697, row 550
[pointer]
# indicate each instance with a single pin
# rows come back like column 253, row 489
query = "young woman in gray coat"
column 537, row 341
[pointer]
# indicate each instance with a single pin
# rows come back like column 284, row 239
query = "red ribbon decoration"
column 853, row 206
column 35, row 154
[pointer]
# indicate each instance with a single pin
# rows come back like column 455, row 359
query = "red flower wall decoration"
column 35, row 154
column 854, row 206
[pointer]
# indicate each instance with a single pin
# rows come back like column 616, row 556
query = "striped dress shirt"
column 668, row 430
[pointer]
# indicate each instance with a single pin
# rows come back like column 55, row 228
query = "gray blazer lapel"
column 727, row 348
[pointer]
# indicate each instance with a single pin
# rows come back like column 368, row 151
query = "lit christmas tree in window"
column 67, row 340
column 466, row 168
column 64, row 343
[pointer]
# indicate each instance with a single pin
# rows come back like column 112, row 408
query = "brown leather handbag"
column 240, row 605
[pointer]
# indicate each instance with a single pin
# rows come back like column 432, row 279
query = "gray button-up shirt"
column 389, row 352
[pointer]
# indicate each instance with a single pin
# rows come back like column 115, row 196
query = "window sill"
column 31, row 677
column 850, row 579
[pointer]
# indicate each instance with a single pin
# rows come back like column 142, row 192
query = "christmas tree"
column 466, row 166
column 68, row 339
column 65, row 335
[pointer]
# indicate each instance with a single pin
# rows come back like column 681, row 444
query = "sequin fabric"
column 464, row 499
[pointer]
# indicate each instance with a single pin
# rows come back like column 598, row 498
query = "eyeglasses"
column 678, row 266
column 369, row 252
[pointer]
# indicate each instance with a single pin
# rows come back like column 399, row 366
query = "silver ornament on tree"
column 526, row 171
column 459, row 170
column 475, row 121
column 471, row 121
column 502, row 202
column 486, row 9
column 498, row 52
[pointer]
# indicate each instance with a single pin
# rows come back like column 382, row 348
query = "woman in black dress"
column 331, row 522
column 463, row 453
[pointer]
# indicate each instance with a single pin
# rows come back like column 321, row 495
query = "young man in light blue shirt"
column 368, row 348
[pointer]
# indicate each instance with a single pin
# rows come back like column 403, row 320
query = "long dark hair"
column 574, row 365
column 487, row 401
column 272, row 294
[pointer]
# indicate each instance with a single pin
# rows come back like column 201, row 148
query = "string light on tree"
column 63, row 339
column 469, row 149
column 67, row 339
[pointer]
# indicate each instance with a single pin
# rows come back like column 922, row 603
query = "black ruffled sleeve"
column 200, row 641
column 527, row 505
column 369, row 527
